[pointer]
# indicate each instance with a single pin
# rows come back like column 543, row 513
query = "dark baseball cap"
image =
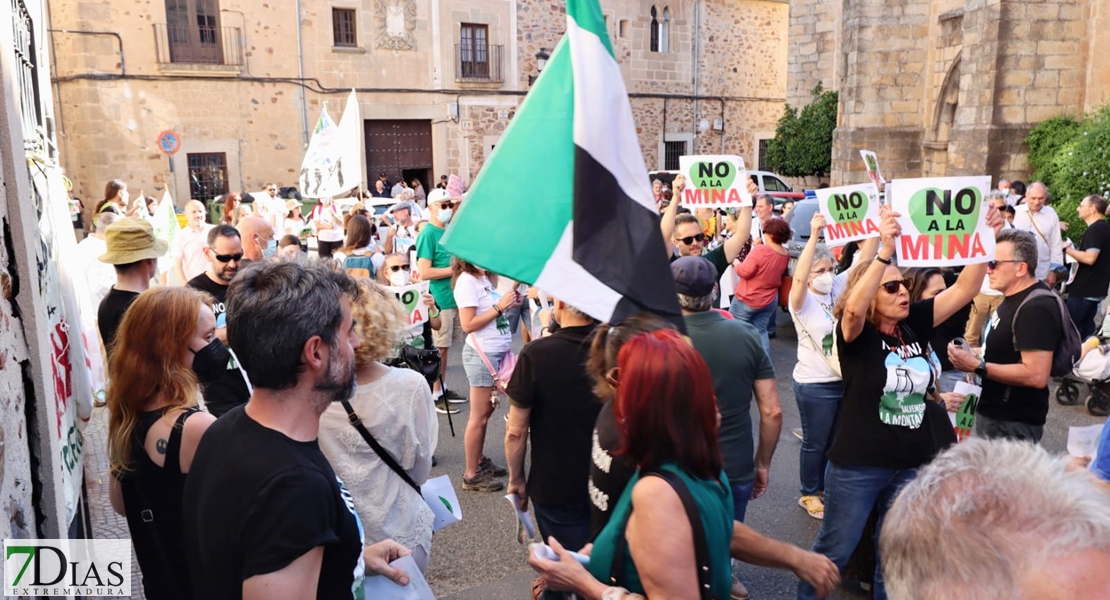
column 693, row 276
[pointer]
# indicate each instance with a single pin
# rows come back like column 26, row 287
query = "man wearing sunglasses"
column 434, row 265
column 225, row 254
column 685, row 233
column 1017, row 348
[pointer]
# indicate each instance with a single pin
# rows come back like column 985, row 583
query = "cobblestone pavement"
column 105, row 522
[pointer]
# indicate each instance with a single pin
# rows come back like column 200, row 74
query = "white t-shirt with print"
column 816, row 318
column 479, row 293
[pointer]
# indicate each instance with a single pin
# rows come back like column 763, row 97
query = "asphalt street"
column 479, row 558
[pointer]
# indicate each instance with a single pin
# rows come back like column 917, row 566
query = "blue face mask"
column 444, row 215
column 270, row 250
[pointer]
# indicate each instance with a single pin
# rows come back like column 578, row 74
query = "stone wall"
column 813, row 53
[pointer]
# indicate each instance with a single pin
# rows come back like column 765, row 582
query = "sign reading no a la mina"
column 944, row 221
column 714, row 181
column 851, row 213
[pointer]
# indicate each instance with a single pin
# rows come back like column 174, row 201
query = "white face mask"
column 823, row 283
column 444, row 215
column 399, row 278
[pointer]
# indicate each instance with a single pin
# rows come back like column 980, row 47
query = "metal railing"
column 198, row 45
column 478, row 63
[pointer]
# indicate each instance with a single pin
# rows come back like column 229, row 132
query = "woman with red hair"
column 667, row 414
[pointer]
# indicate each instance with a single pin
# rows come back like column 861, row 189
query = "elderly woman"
column 667, row 416
column 884, row 430
column 818, row 387
column 395, row 406
column 154, row 424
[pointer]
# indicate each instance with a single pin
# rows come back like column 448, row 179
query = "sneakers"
column 488, row 466
column 813, row 505
column 454, row 398
column 797, row 433
column 482, row 481
column 443, row 408
column 739, row 592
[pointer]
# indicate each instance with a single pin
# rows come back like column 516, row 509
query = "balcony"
column 481, row 64
column 198, row 45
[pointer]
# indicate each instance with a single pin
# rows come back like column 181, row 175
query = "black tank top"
column 152, row 498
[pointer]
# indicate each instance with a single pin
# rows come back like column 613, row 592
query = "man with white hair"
column 994, row 520
column 1036, row 217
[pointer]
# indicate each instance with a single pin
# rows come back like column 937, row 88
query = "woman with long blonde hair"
column 165, row 345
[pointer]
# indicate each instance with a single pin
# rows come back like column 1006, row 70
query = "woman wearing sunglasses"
column 883, row 431
column 818, row 386
column 397, row 271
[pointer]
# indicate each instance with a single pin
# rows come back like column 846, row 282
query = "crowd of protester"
column 269, row 443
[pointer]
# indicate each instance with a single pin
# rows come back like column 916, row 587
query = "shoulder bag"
column 504, row 372
column 387, row 458
column 701, row 546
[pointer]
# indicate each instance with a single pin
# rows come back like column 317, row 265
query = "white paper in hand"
column 1083, row 441
column 380, row 587
column 440, row 496
column 523, row 520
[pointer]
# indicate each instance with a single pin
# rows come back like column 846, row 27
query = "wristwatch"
column 885, row 261
column 981, row 370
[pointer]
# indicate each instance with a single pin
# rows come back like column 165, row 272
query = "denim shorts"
column 476, row 371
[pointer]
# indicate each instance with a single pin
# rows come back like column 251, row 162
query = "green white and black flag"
column 563, row 202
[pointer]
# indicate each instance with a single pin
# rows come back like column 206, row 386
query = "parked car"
column 774, row 185
column 799, row 219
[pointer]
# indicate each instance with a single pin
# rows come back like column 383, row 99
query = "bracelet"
column 498, row 309
column 885, row 261
column 432, row 315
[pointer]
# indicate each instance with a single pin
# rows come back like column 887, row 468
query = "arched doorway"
column 944, row 116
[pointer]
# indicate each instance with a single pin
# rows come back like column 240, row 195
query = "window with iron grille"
column 23, row 30
column 671, row 152
column 343, row 28
column 474, row 50
column 763, row 154
column 207, row 175
column 193, row 31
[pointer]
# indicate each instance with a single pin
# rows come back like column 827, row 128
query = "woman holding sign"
column 883, row 431
column 818, row 387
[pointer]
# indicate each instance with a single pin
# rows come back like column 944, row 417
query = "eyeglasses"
column 690, row 240
column 891, row 287
column 993, row 264
column 395, row 268
column 224, row 258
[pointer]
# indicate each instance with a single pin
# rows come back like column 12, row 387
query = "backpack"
column 359, row 266
column 1067, row 352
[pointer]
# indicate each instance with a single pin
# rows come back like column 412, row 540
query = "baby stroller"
column 1093, row 370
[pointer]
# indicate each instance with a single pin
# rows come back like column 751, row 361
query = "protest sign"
column 714, row 181
column 963, row 420
column 440, row 496
column 944, row 221
column 455, row 186
column 416, row 312
column 871, row 163
column 851, row 213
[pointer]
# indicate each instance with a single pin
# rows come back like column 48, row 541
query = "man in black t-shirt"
column 224, row 253
column 551, row 393
column 1092, row 279
column 133, row 251
column 265, row 514
column 1017, row 348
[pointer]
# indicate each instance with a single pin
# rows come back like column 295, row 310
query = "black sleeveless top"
column 152, row 498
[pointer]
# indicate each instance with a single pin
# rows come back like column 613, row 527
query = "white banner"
column 714, row 181
column 331, row 165
column 851, row 213
column 943, row 219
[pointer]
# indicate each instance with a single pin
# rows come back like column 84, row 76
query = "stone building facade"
column 437, row 82
column 947, row 87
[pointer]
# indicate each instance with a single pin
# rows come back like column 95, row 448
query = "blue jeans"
column 568, row 523
column 760, row 318
column 1083, row 311
column 818, row 404
column 741, row 495
column 850, row 494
